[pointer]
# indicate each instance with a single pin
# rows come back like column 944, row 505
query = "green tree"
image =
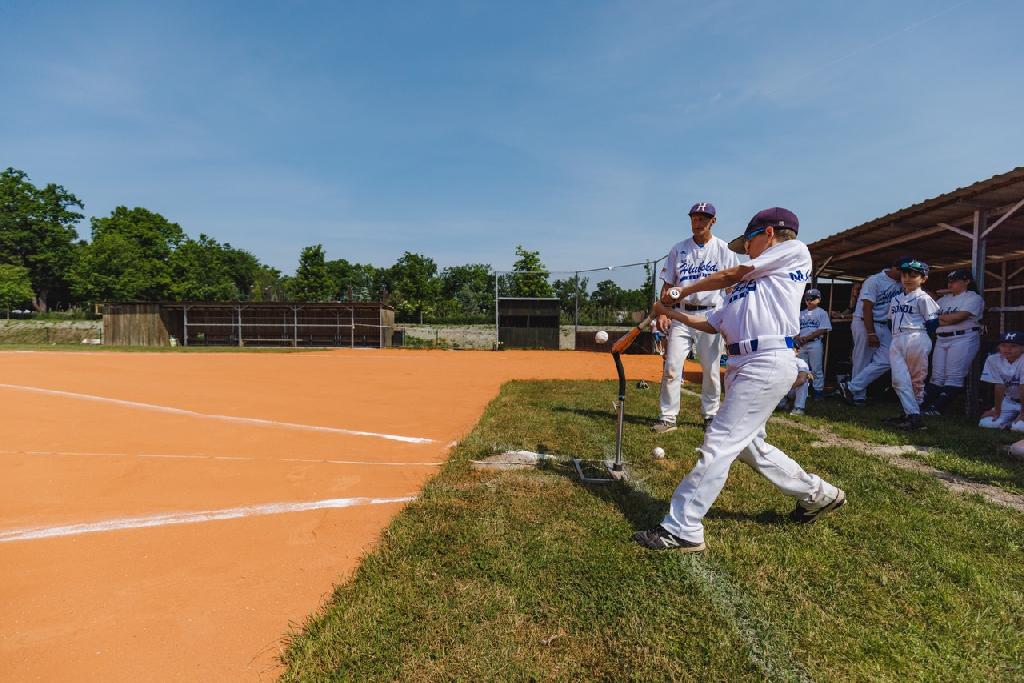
column 128, row 258
column 201, row 271
column 15, row 286
column 571, row 291
column 356, row 281
column 312, row 282
column 467, row 291
column 268, row 285
column 607, row 294
column 37, row 232
column 531, row 276
column 414, row 284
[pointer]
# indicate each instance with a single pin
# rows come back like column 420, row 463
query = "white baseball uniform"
column 861, row 354
column 879, row 289
column 688, row 261
column 758, row 321
column 998, row 370
column 799, row 394
column 910, row 346
column 814, row 351
column 957, row 345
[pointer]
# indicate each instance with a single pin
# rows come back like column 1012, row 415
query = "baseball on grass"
column 601, row 337
column 658, row 452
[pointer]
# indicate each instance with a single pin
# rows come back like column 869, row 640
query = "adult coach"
column 875, row 295
column 957, row 341
column 690, row 261
column 758, row 320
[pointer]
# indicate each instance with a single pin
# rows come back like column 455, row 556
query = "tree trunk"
column 39, row 301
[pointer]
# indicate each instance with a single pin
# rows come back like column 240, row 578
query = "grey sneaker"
column 797, row 411
column 663, row 427
column 803, row 515
column 660, row 538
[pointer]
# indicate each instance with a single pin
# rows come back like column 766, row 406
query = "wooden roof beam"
column 1002, row 218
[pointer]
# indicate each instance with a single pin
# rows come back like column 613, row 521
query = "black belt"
column 691, row 307
column 957, row 333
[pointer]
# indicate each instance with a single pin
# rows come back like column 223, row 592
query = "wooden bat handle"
column 627, row 340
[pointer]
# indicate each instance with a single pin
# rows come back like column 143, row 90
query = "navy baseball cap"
column 915, row 266
column 960, row 274
column 706, row 208
column 812, row 294
column 1011, row 337
column 775, row 217
column 898, row 263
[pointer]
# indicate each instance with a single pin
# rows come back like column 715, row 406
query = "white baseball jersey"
column 801, row 365
column 879, row 289
column 766, row 303
column 688, row 261
column 910, row 312
column 998, row 370
column 968, row 301
column 812, row 321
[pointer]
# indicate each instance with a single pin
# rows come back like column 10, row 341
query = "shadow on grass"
column 629, row 419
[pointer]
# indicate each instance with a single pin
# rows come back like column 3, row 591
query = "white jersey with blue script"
column 998, row 370
column 970, row 302
column 812, row 321
column 910, row 312
column 766, row 303
column 879, row 289
column 688, row 262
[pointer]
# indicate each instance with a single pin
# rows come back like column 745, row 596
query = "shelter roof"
column 938, row 231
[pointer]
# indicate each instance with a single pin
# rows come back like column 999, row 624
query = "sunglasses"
column 754, row 233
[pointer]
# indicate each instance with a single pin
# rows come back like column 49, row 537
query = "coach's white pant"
column 814, row 355
column 1007, row 417
column 861, row 354
column 754, row 385
column 953, row 358
column 877, row 366
column 709, row 351
column 908, row 357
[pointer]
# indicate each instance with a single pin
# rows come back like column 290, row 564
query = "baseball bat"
column 625, row 341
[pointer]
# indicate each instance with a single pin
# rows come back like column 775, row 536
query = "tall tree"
column 531, row 276
column 414, row 284
column 128, row 258
column 15, row 286
column 356, row 281
column 571, row 292
column 37, row 232
column 468, row 290
column 201, row 271
column 312, row 282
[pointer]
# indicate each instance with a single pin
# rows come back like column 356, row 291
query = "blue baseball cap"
column 812, row 294
column 775, row 217
column 706, row 208
column 915, row 266
column 960, row 274
column 1011, row 337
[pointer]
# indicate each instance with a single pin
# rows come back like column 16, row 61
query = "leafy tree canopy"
column 15, row 286
column 531, row 276
column 312, row 281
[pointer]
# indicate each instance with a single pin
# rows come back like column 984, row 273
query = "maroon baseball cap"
column 775, row 217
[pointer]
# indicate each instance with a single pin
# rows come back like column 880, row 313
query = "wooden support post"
column 978, row 267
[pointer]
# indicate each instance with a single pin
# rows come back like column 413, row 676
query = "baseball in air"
column 601, row 337
column 658, row 452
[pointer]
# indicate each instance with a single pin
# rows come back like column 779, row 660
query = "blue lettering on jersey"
column 797, row 276
column 902, row 308
column 742, row 289
column 696, row 272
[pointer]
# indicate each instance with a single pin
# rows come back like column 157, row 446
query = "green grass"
column 529, row 575
column 956, row 444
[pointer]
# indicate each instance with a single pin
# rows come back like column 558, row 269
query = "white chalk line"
column 190, row 518
column 210, row 416
column 183, row 456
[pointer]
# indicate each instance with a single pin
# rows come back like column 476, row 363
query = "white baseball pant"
column 861, row 354
column 908, row 357
column 799, row 395
column 953, row 358
column 709, row 349
column 877, row 366
column 814, row 354
column 1007, row 417
column 754, row 385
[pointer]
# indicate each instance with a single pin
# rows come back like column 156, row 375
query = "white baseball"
column 601, row 337
column 673, row 293
column 658, row 452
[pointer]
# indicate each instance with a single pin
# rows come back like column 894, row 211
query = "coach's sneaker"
column 659, row 538
column 797, row 411
column 804, row 515
column 912, row 423
column 663, row 427
column 932, row 411
column 847, row 395
column 896, row 419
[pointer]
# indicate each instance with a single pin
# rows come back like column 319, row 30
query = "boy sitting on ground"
column 798, row 394
column 1004, row 369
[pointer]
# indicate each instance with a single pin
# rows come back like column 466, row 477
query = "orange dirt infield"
column 143, row 533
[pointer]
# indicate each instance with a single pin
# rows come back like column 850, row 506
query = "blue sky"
column 460, row 129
